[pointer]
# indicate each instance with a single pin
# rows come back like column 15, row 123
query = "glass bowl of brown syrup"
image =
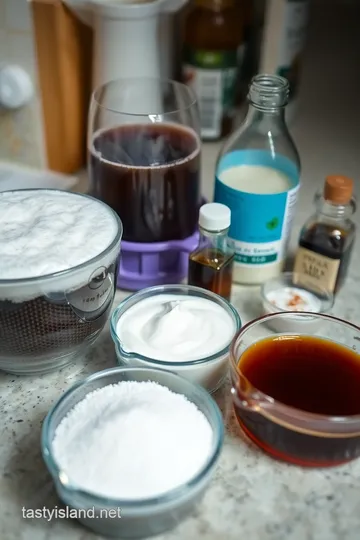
column 296, row 395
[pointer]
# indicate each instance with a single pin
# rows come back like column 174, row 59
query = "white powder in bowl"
column 132, row 440
column 53, row 241
column 46, row 231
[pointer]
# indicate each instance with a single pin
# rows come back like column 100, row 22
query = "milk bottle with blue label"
column 257, row 177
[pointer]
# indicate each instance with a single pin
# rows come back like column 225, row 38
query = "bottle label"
column 316, row 270
column 213, row 76
column 292, row 42
column 260, row 223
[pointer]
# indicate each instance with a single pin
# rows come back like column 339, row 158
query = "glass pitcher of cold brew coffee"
column 144, row 156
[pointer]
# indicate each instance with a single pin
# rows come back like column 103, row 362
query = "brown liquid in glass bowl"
column 312, row 375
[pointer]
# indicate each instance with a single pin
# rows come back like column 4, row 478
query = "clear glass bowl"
column 318, row 300
column 285, row 432
column 209, row 372
column 45, row 322
column 141, row 518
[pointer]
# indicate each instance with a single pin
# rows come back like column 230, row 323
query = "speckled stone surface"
column 251, row 495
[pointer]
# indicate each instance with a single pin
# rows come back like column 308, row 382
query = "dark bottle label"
column 315, row 269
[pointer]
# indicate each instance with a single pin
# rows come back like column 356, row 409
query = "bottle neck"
column 266, row 118
column 215, row 240
column 215, row 5
column 333, row 211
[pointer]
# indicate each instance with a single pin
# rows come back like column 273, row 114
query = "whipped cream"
column 43, row 232
column 175, row 328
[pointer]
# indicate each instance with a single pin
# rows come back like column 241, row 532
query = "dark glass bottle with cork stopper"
column 213, row 42
column 211, row 264
column 327, row 238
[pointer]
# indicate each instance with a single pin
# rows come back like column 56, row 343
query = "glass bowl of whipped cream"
column 181, row 328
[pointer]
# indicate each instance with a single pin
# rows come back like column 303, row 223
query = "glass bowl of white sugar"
column 185, row 329
column 58, row 264
column 131, row 450
column 294, row 292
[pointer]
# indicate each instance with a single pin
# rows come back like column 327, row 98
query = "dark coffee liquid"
column 150, row 175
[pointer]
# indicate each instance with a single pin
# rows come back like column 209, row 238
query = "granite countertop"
column 251, row 496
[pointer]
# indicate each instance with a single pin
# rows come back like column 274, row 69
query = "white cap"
column 214, row 217
column 16, row 87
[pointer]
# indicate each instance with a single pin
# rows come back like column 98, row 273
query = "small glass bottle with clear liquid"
column 258, row 177
column 211, row 263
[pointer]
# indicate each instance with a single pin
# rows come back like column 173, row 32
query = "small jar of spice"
column 327, row 238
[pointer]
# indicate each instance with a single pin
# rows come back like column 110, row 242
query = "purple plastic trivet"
column 158, row 263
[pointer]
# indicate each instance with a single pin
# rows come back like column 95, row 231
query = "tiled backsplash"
column 21, row 131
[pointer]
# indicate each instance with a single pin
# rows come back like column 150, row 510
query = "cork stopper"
column 338, row 189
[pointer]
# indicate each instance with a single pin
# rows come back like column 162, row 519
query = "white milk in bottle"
column 257, row 177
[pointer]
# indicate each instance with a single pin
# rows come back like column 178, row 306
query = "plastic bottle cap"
column 338, row 189
column 214, row 217
column 16, row 87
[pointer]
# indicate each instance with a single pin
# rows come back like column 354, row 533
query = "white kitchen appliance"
column 132, row 38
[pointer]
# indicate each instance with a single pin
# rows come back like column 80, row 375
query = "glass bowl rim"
column 137, row 504
column 162, row 80
column 326, row 306
column 163, row 289
column 69, row 271
column 292, row 413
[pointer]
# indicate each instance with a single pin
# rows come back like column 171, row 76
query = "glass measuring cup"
column 287, row 432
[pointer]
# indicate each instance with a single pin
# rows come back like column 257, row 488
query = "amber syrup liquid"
column 212, row 270
column 312, row 375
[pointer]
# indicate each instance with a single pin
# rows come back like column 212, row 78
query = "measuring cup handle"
column 242, row 404
column 249, row 404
